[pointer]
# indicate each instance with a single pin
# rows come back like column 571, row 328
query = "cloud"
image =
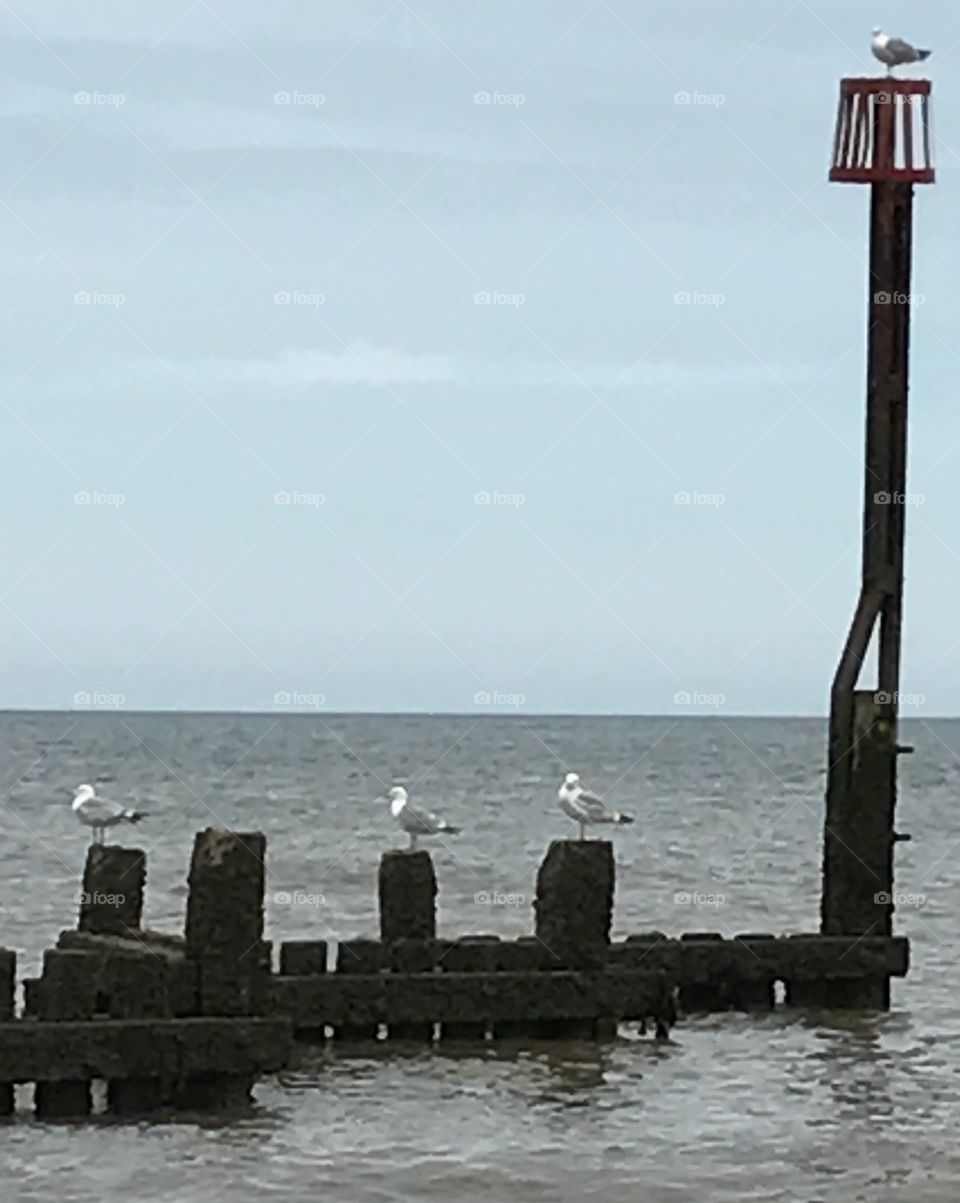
column 363, row 363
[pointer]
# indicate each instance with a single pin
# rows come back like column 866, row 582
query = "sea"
column 798, row 1107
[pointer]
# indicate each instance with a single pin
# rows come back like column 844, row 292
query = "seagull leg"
column 583, row 833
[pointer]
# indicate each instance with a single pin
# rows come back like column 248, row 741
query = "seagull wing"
column 421, row 822
column 594, row 809
column 901, row 51
column 99, row 812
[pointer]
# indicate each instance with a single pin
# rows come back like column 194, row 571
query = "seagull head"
column 82, row 792
column 572, row 779
column 396, row 797
column 877, row 31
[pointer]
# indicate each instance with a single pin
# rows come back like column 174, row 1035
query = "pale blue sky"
column 185, row 188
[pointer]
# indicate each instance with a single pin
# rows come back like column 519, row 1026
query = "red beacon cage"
column 883, row 132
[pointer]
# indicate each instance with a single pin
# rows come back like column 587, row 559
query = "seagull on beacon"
column 895, row 52
column 413, row 820
column 100, row 813
column 584, row 807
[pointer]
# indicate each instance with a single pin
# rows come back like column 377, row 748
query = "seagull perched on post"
column 99, row 813
column 584, row 807
column 895, row 51
column 413, row 820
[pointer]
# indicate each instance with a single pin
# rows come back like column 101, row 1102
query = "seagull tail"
column 922, row 54
column 624, row 818
column 449, row 829
column 134, row 816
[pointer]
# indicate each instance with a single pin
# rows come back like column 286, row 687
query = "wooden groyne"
column 192, row 1020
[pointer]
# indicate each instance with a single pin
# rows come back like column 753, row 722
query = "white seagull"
column 895, row 51
column 99, row 813
column 584, row 807
column 413, row 820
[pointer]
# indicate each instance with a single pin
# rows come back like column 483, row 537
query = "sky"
column 492, row 358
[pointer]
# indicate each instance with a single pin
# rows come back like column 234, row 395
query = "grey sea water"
column 785, row 1107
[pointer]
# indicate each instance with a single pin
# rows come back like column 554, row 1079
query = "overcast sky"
column 359, row 352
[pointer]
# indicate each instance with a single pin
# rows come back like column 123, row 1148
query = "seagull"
column 413, row 821
column 584, row 807
column 99, row 813
column 895, row 51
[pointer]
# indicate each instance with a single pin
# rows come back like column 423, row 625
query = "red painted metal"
column 883, row 132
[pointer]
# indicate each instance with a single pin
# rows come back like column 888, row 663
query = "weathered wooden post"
column 882, row 139
column 407, row 887
column 69, row 991
column 111, row 902
column 574, row 910
column 8, row 991
column 224, row 943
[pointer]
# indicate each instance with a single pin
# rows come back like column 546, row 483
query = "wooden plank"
column 478, row 998
column 32, row 1050
column 786, row 956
